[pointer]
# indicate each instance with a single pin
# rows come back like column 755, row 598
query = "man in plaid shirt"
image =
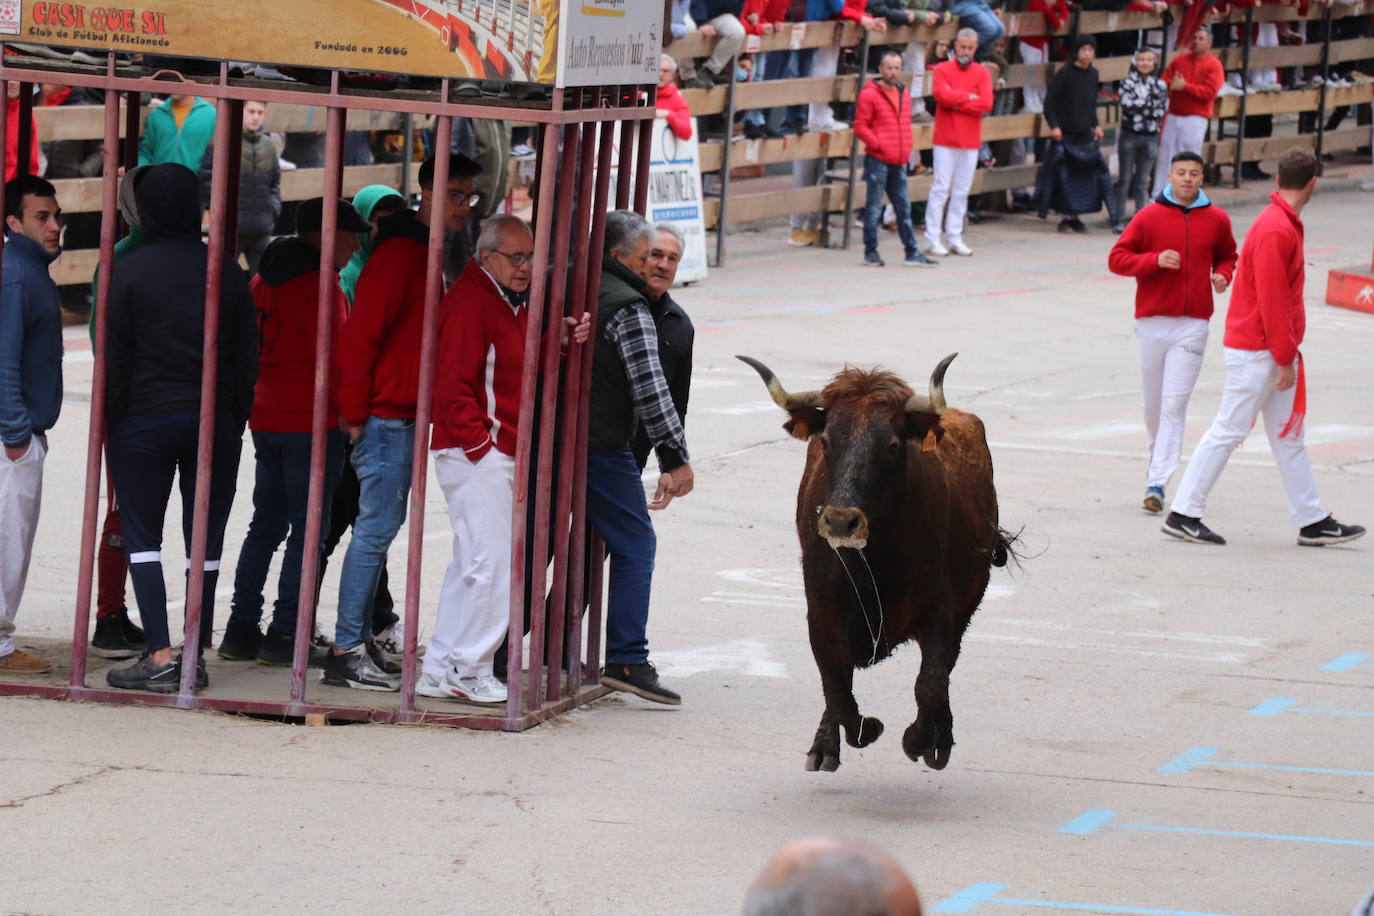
column 628, row 388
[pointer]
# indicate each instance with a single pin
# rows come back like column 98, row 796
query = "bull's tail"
column 1007, row 547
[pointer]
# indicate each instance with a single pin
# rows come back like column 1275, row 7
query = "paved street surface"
column 1143, row 726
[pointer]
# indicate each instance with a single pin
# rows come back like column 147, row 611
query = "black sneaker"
column 279, row 649
column 354, row 669
column 872, row 259
column 241, row 641
column 109, row 640
column 385, row 663
column 202, row 676
column 146, row 674
column 133, row 633
column 641, row 679
column 1186, row 528
column 1328, row 531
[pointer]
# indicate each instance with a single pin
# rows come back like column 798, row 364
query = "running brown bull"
column 897, row 518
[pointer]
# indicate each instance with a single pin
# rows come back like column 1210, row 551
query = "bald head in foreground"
column 827, row 876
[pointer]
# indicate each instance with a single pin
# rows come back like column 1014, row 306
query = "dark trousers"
column 343, row 511
column 146, row 453
column 616, row 508
column 881, row 178
column 1136, row 154
column 281, row 491
column 252, row 248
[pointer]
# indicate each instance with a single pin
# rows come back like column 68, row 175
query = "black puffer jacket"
column 259, row 183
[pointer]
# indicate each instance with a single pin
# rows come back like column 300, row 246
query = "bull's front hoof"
column 817, row 760
column 869, row 730
column 925, row 742
column 937, row 759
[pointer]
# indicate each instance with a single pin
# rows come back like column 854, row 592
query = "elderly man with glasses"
column 476, row 415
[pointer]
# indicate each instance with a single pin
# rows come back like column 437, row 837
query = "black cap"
column 310, row 217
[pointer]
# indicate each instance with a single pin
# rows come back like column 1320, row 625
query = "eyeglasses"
column 467, row 198
column 519, row 259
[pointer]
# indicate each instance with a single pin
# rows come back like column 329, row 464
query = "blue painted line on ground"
column 1190, row 758
column 1273, row 706
column 1248, row 835
column 976, row 894
column 1087, row 822
column 1348, row 662
column 1197, row 756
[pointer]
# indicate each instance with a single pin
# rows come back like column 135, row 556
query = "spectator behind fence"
column 628, row 388
column 1265, row 372
column 1035, row 50
column 1193, row 80
column 963, row 96
column 913, row 13
column 1143, row 101
column 978, row 15
column 718, row 19
column 481, row 348
column 882, row 120
column 259, row 185
column 827, row 59
column 153, row 363
column 30, row 390
column 116, row 636
column 379, row 377
column 826, row 876
column 35, row 165
column 676, row 335
column 286, row 293
column 1074, row 178
column 669, row 101
column 178, row 130
column 762, row 17
column 1180, row 250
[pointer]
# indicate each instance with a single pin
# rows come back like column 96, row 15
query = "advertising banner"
column 674, row 193
column 599, row 41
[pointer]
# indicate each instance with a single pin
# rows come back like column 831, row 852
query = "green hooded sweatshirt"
column 163, row 141
column 365, row 201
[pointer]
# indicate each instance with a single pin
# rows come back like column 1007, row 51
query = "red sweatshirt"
column 958, row 116
column 286, row 292
column 854, row 10
column 482, row 349
column 882, row 120
column 674, row 107
column 1203, row 76
column 1201, row 235
column 773, row 11
column 379, row 344
column 1266, row 310
column 1056, row 14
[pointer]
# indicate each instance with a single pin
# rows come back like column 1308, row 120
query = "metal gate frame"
column 576, row 134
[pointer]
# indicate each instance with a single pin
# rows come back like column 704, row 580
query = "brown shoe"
column 23, row 663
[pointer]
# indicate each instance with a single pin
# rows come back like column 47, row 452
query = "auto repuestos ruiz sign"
column 598, row 41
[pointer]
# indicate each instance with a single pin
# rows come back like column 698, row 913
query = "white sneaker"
column 935, row 249
column 1228, row 89
column 828, row 126
column 427, row 685
column 484, row 688
column 392, row 643
column 960, row 249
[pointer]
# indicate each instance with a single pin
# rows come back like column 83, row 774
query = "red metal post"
column 646, row 137
column 219, row 192
column 434, row 288
column 319, row 442
column 95, row 436
column 625, row 163
column 231, row 208
column 24, row 164
column 543, row 234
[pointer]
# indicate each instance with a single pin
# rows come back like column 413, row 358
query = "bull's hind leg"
column 931, row 736
column 837, row 682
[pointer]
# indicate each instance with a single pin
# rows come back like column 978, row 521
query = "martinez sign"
column 556, row 42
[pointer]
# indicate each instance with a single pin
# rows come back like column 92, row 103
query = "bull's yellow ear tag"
column 929, row 442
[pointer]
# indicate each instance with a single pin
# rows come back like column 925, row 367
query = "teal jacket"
column 163, row 141
column 365, row 201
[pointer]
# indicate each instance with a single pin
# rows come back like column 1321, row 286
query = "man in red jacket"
column 476, row 415
column 1264, row 370
column 882, row 120
column 1179, row 249
column 669, row 102
column 963, row 95
column 379, row 376
column 286, row 293
column 1194, row 79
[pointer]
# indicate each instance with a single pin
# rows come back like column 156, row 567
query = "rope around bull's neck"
column 875, row 636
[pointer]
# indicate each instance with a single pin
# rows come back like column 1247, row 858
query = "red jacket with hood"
column 884, row 125
column 670, row 102
column 1200, row 233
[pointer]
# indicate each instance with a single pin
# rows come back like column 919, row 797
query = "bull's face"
column 865, row 426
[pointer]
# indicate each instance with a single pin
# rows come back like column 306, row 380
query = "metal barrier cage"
column 556, row 569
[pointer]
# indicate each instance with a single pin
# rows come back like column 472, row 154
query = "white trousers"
column 914, row 62
column 825, row 63
column 474, row 601
column 1170, row 352
column 21, row 491
column 953, row 177
column 1180, row 132
column 1034, row 96
column 1250, row 392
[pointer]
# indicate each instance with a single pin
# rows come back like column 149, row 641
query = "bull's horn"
column 934, row 402
column 781, row 396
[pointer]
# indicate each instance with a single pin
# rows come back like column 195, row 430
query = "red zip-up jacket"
column 773, row 11
column 854, row 10
column 379, row 344
column 1201, row 234
column 958, row 116
column 884, row 127
column 1056, row 14
column 286, row 293
column 674, row 107
column 1202, row 76
column 1266, row 310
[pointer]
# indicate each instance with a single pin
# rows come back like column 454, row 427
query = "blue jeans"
column 775, row 66
column 382, row 457
column 795, row 118
column 616, row 508
column 880, row 178
column 281, row 491
column 975, row 14
column 1137, row 154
